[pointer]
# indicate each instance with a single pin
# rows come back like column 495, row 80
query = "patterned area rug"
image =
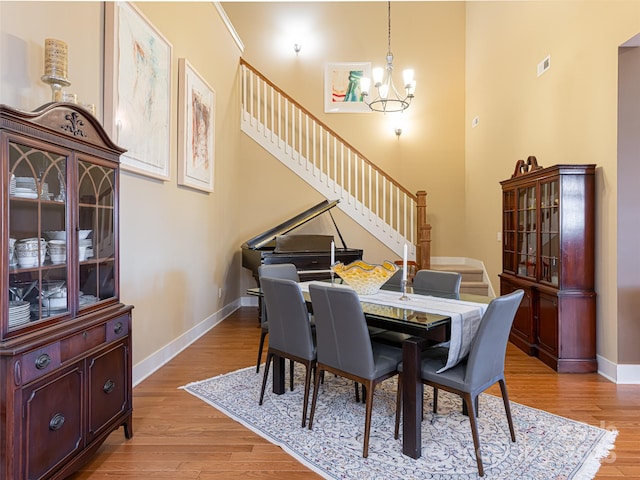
column 547, row 446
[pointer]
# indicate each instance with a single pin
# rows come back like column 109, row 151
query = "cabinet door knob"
column 109, row 386
column 56, row 422
column 117, row 328
column 43, row 361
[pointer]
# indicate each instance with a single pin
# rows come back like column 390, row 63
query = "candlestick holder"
column 404, row 297
column 55, row 67
column 56, row 84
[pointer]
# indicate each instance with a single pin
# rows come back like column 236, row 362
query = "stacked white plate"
column 19, row 313
column 26, row 187
column 12, row 185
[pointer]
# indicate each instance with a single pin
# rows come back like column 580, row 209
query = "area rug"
column 547, row 447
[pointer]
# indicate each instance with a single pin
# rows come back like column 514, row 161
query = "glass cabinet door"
column 527, row 228
column 549, row 231
column 38, row 238
column 96, row 244
column 509, row 231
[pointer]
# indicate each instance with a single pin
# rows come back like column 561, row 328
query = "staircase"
column 318, row 155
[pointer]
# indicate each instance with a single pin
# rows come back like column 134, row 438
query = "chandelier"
column 388, row 98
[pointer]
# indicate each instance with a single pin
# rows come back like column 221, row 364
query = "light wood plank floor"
column 177, row 436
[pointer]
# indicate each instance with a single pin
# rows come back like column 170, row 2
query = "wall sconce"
column 297, row 47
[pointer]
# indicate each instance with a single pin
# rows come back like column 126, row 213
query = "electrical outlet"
column 544, row 65
column 499, row 237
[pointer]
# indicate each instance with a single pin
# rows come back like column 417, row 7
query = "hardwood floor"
column 177, row 436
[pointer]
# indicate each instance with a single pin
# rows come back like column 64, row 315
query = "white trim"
column 156, row 360
column 227, row 22
column 617, row 373
column 607, row 368
column 628, row 374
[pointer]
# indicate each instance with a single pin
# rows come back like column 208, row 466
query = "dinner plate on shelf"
column 25, row 195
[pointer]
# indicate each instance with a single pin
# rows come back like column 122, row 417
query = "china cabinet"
column 65, row 337
column 548, row 251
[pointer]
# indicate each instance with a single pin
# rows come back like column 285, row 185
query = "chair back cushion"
column 341, row 330
column 289, row 326
column 286, row 271
column 486, row 357
column 281, row 270
column 437, row 281
column 394, row 283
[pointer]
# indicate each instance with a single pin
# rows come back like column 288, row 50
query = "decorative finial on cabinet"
column 524, row 167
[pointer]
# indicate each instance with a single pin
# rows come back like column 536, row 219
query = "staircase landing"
column 472, row 278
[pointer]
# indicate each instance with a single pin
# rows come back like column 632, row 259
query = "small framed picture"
column 196, row 117
column 342, row 92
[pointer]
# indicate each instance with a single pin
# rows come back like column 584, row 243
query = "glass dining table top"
column 407, row 319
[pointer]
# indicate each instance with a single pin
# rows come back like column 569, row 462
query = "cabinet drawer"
column 108, row 387
column 39, row 362
column 81, row 342
column 117, row 328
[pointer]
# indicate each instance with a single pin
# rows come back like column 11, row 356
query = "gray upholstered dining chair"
column 425, row 281
column 289, row 330
column 483, row 367
column 437, row 281
column 345, row 349
column 395, row 282
column 283, row 270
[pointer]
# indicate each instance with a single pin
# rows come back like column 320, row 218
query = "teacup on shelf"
column 57, row 251
column 26, row 251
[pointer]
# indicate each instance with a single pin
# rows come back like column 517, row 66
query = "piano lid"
column 264, row 238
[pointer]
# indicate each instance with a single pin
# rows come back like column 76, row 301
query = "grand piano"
column 311, row 254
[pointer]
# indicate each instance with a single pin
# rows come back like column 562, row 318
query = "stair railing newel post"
column 423, row 245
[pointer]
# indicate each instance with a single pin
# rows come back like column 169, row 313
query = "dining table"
column 419, row 314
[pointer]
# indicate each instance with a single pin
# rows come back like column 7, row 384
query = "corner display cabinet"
column 65, row 338
column 548, row 251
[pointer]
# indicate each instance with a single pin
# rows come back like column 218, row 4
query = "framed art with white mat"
column 137, row 100
column 196, row 123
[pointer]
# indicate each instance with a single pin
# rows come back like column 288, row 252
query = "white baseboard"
column 153, row 362
column 620, row 374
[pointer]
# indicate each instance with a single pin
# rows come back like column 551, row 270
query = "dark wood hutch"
column 65, row 337
column 548, row 250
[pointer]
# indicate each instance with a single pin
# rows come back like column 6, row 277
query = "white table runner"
column 465, row 316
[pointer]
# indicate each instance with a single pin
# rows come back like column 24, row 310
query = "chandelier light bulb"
column 365, row 84
column 378, row 73
column 407, row 76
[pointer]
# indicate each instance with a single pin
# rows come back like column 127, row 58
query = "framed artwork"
column 137, row 100
column 196, row 117
column 342, row 87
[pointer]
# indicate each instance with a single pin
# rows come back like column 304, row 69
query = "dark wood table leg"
column 411, row 397
column 278, row 375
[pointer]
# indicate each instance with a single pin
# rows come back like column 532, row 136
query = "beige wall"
column 567, row 115
column 178, row 246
